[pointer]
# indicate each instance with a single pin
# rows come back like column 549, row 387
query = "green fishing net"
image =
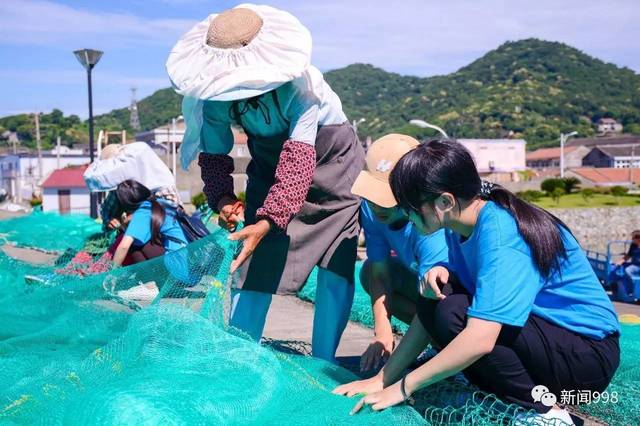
column 453, row 402
column 74, row 351
column 48, row 231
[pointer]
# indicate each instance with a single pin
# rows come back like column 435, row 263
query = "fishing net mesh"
column 452, row 402
column 73, row 350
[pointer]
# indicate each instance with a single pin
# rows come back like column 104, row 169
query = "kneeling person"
column 397, row 255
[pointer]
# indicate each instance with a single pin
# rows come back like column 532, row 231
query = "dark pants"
column 146, row 252
column 539, row 353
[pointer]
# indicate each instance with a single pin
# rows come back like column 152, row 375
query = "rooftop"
column 69, row 177
column 548, row 153
column 614, row 140
column 631, row 150
column 608, row 175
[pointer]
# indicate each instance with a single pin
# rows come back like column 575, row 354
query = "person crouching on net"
column 391, row 279
column 530, row 312
column 150, row 232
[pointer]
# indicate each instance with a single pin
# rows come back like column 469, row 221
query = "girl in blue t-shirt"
column 150, row 231
column 517, row 307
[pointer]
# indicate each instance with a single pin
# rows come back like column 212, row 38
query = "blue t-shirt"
column 139, row 227
column 495, row 265
column 416, row 252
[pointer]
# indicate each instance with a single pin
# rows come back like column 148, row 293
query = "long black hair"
column 440, row 166
column 131, row 194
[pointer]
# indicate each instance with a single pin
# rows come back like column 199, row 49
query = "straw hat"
column 372, row 183
column 239, row 53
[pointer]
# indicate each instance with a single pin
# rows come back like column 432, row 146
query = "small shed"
column 65, row 191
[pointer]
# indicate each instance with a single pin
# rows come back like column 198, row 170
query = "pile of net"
column 456, row 402
column 72, row 351
column 48, row 231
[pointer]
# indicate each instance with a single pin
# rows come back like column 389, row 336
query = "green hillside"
column 529, row 89
column 532, row 89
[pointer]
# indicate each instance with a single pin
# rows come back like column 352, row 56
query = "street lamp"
column 563, row 139
column 423, row 124
column 173, row 146
column 89, row 58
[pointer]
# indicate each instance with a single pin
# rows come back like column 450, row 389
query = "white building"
column 609, row 125
column 30, row 177
column 498, row 160
column 65, row 191
column 9, row 170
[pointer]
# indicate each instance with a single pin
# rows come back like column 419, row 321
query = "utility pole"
column 58, row 153
column 38, row 145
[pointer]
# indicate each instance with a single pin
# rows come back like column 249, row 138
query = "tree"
column 570, row 184
column 618, row 191
column 557, row 193
column 549, row 185
column 587, row 194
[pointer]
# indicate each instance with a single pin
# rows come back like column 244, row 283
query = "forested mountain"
column 529, row 89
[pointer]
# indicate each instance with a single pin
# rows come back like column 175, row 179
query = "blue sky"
column 418, row 37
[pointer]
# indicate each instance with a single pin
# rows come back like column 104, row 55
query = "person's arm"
column 294, row 172
column 216, row 166
column 476, row 340
column 122, row 250
column 381, row 302
column 628, row 254
column 412, row 344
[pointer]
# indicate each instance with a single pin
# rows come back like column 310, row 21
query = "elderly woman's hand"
column 251, row 236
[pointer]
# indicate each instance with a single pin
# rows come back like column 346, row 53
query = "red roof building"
column 65, row 191
column 70, row 177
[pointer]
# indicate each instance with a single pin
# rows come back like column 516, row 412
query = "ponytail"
column 539, row 228
column 440, row 166
column 158, row 215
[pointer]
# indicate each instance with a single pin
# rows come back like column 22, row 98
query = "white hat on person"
column 239, row 53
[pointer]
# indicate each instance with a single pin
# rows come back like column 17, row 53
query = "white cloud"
column 435, row 36
column 41, row 22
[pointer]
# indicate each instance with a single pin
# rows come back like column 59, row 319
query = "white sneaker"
column 553, row 417
column 144, row 292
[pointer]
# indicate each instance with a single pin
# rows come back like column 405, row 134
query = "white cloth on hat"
column 305, row 104
column 135, row 161
column 280, row 52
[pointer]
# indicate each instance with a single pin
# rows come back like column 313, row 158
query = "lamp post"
column 173, row 146
column 563, row 139
column 423, row 124
column 88, row 58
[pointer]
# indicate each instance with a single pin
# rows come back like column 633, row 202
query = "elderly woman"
column 250, row 67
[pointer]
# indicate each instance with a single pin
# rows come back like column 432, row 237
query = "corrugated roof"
column 70, row 177
column 548, row 153
column 608, row 175
column 616, row 140
column 620, row 150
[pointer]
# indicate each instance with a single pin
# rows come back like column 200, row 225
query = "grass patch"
column 598, row 200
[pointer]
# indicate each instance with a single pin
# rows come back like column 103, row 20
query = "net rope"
column 73, row 351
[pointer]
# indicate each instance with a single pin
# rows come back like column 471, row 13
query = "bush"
column 570, row 184
column 549, row 185
column 618, row 191
column 587, row 194
column 530, row 195
column 199, row 200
